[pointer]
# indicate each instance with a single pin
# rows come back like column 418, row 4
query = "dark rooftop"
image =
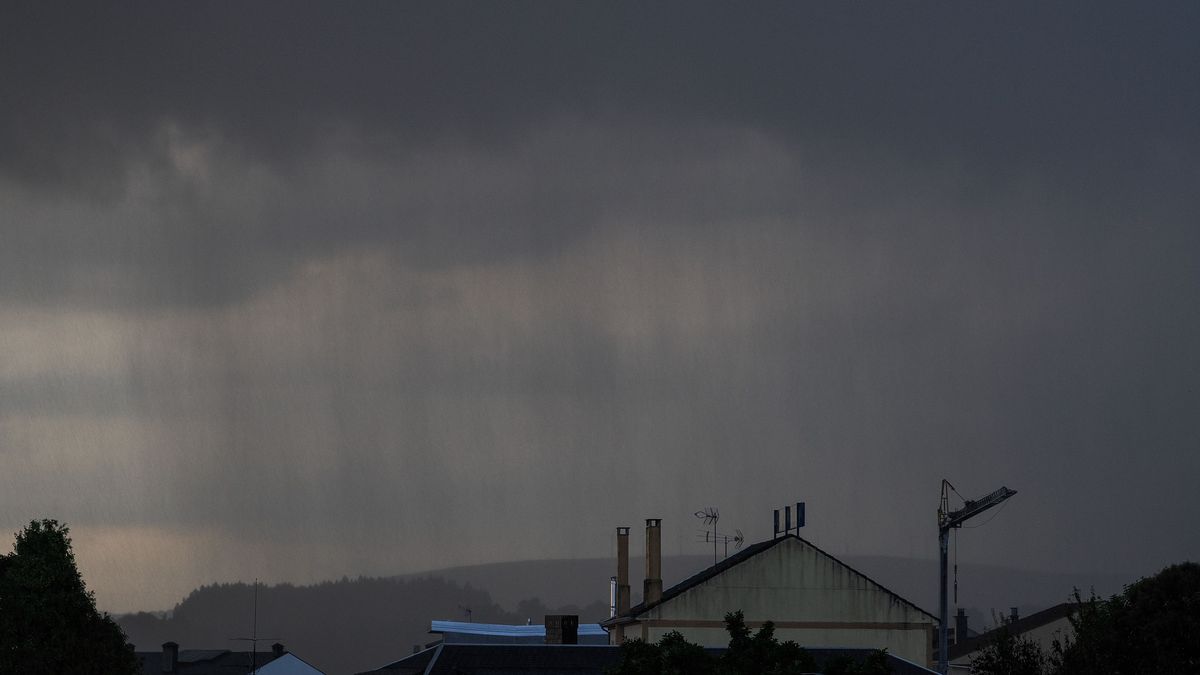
column 1017, row 627
column 493, row 659
column 204, row 662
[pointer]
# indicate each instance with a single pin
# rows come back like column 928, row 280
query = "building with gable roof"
column 1044, row 628
column 810, row 596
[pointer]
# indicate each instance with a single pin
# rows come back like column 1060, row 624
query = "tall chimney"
column 622, row 570
column 170, row 657
column 652, row 591
column 960, row 626
column 618, row 633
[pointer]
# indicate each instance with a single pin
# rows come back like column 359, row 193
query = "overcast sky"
column 293, row 291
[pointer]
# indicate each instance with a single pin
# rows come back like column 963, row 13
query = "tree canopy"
column 759, row 653
column 1149, row 628
column 48, row 619
column 1009, row 654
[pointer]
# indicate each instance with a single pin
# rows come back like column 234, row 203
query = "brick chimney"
column 960, row 626
column 562, row 629
column 652, row 591
column 170, row 657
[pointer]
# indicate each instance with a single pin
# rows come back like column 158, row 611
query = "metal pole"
column 943, row 661
column 254, row 632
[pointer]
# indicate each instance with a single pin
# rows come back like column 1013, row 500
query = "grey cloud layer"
column 1004, row 85
column 334, row 127
column 368, row 281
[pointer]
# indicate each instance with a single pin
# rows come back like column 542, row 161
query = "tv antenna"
column 721, row 538
column 466, row 612
column 710, row 516
column 253, row 639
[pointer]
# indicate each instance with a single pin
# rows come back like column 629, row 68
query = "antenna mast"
column 710, row 516
column 948, row 520
column 253, row 639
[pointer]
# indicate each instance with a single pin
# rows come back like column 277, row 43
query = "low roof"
column 473, row 659
column 1021, row 625
column 736, row 559
column 505, row 630
column 204, row 661
column 409, row 665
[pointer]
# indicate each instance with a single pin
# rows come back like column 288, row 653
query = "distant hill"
column 341, row 627
column 981, row 587
column 356, row 624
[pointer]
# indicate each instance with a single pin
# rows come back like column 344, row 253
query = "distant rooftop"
column 507, row 630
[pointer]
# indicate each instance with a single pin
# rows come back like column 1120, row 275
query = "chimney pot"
column 622, row 570
column 170, row 657
column 652, row 592
column 562, row 629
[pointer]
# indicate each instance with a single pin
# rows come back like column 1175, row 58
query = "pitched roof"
column 409, row 665
column 1021, row 625
column 204, row 661
column 288, row 664
column 736, row 559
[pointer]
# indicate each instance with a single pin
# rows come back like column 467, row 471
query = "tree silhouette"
column 48, row 620
column 759, row 653
column 1009, row 654
column 1149, row 628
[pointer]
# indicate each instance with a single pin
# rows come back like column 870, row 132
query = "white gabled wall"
column 812, row 598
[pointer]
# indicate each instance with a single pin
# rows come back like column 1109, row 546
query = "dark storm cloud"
column 348, row 280
column 1078, row 95
column 1009, row 80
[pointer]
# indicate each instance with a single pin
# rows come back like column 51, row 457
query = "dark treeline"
column 339, row 626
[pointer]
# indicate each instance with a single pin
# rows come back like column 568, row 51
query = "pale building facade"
column 812, row 598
